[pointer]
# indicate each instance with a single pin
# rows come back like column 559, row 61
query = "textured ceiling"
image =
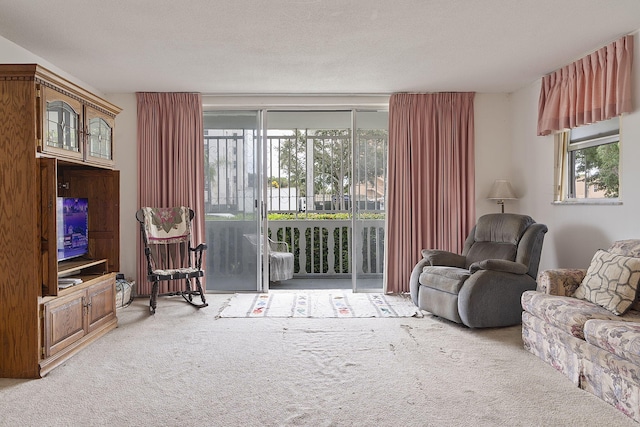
column 313, row 46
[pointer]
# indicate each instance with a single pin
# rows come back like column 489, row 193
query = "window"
column 592, row 157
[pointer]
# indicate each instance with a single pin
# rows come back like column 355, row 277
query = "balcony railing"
column 321, row 247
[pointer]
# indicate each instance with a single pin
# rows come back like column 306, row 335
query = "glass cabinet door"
column 99, row 137
column 62, row 125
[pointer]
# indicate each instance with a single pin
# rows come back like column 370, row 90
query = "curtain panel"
column 431, row 179
column 594, row 88
column 170, row 164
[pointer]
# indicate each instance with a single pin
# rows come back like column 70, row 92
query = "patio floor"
column 318, row 283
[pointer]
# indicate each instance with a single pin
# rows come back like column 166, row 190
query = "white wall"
column 575, row 231
column 492, row 150
column 126, row 158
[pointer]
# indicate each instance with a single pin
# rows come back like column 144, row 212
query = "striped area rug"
column 320, row 304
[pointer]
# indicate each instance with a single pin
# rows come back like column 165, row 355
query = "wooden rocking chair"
column 166, row 235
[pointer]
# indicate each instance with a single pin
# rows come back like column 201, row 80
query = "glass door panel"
column 308, row 195
column 369, row 189
column 232, row 199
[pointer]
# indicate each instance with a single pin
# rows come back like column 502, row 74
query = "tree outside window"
column 594, row 160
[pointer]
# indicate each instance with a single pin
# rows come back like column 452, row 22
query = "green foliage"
column 607, row 177
column 599, row 166
column 317, row 240
column 332, row 158
column 293, row 160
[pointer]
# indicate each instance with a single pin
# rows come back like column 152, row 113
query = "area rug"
column 320, row 304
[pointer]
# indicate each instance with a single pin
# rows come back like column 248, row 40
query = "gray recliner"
column 482, row 287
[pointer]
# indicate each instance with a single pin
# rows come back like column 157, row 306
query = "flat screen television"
column 72, row 217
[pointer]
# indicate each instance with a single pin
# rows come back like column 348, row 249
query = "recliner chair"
column 482, row 287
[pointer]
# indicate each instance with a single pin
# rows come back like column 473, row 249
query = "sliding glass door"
column 325, row 195
column 369, row 190
column 233, row 196
column 313, row 182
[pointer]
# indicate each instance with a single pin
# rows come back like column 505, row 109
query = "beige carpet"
column 184, row 367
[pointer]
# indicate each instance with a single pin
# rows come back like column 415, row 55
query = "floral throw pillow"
column 611, row 281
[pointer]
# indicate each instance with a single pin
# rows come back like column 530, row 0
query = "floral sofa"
column 586, row 324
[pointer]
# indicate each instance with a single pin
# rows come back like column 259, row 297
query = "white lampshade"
column 501, row 190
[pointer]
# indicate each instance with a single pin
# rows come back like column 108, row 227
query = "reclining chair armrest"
column 560, row 281
column 444, row 258
column 503, row 265
column 414, row 279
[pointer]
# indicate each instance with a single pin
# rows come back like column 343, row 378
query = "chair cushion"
column 176, row 273
column 565, row 313
column 503, row 228
column 611, row 281
column 280, row 266
column 446, row 279
column 490, row 250
column 496, row 236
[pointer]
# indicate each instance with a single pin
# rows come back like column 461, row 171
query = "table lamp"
column 501, row 190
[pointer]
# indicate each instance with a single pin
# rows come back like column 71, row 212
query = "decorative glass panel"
column 62, row 126
column 99, row 139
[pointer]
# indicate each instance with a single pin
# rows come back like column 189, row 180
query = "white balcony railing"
column 321, row 247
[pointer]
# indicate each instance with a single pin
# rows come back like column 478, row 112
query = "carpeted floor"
column 184, row 367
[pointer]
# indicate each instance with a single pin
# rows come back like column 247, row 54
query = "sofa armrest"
column 444, row 258
column 560, row 281
column 502, row 265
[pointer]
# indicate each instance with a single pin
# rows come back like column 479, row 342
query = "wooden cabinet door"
column 47, row 226
column 101, row 303
column 99, row 128
column 64, row 322
column 102, row 188
column 63, row 127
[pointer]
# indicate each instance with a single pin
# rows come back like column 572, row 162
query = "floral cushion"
column 565, row 313
column 560, row 281
column 611, row 281
column 629, row 247
column 621, row 338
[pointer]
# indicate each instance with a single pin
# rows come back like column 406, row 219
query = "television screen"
column 73, row 227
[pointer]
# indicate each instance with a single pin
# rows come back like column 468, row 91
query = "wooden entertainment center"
column 57, row 141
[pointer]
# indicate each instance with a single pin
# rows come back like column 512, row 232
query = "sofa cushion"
column 621, row 338
column 447, row 279
column 630, row 247
column 565, row 313
column 611, row 281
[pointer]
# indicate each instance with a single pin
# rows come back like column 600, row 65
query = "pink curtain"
column 170, row 164
column 594, row 88
column 431, row 179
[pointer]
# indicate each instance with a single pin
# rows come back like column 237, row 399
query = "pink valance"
column 594, row 88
